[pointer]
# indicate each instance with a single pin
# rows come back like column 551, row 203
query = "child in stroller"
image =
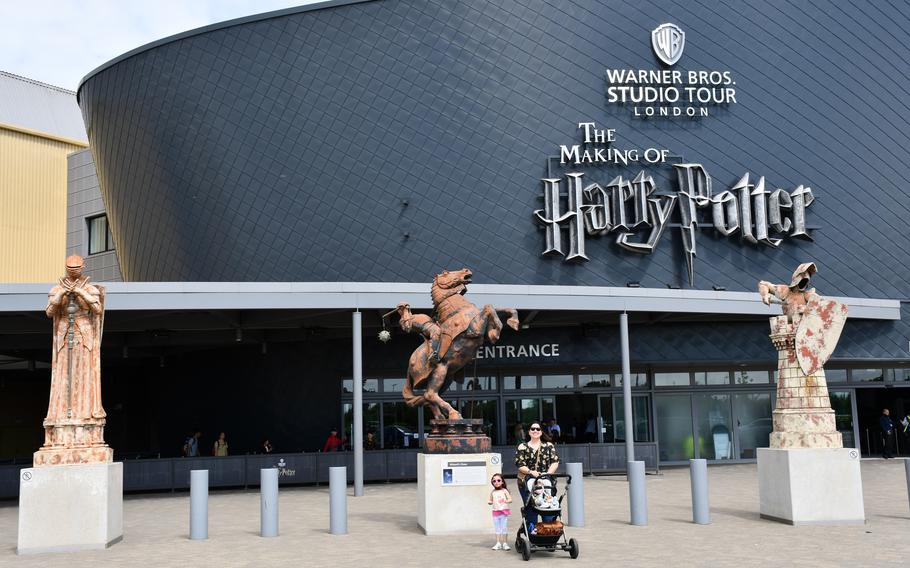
column 542, row 528
column 543, row 495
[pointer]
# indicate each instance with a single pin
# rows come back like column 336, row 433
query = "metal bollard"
column 199, row 504
column 338, row 500
column 638, row 495
column 907, row 471
column 268, row 502
column 701, row 509
column 576, row 495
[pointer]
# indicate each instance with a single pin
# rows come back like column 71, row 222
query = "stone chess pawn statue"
column 805, row 337
column 74, row 426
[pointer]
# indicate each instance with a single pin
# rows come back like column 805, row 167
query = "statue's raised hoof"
column 513, row 323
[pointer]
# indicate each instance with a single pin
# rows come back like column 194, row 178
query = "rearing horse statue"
column 452, row 338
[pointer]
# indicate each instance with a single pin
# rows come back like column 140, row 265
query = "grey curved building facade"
column 381, row 141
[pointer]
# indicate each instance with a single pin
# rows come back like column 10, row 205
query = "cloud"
column 60, row 41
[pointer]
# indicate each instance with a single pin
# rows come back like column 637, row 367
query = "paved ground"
column 384, row 530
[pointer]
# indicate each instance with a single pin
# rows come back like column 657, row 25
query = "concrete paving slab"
column 384, row 531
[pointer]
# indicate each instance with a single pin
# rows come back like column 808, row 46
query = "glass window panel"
column 486, row 409
column 557, row 381
column 671, row 379
column 753, row 420
column 640, row 416
column 674, row 427
column 715, row 427
column 835, row 375
column 901, row 374
column 638, row 379
column 593, row 381
column 399, row 425
column 573, row 410
column 866, row 375
column 97, row 234
column 547, row 409
column 393, row 385
column 712, row 378
column 484, row 383
column 843, row 416
column 517, row 382
column 606, row 419
column 519, row 415
column 369, row 385
column 371, row 412
column 751, row 377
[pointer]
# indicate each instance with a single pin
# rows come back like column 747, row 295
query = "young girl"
column 500, row 499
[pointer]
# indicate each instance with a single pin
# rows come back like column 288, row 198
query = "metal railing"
column 170, row 474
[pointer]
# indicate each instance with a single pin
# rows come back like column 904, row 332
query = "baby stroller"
column 548, row 536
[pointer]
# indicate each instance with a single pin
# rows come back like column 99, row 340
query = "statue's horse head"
column 449, row 283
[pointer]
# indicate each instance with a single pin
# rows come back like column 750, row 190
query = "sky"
column 60, row 41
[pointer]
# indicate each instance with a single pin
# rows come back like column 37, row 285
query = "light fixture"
column 238, row 335
column 126, row 352
column 719, row 288
column 265, row 348
column 161, row 361
column 633, row 284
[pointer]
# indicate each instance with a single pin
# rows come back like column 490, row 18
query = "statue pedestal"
column 65, row 508
column 811, row 486
column 452, row 493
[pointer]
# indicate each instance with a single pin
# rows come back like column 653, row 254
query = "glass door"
column 714, row 422
column 752, row 412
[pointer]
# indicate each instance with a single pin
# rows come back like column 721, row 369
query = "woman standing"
column 220, row 448
column 534, row 458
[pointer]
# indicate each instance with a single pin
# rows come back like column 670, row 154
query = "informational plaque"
column 460, row 472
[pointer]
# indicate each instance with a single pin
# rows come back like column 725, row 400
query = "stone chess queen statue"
column 74, row 426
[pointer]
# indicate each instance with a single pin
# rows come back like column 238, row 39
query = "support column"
column 357, row 433
column 627, row 390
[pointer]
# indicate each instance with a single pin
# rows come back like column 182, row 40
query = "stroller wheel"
column 525, row 548
column 573, row 548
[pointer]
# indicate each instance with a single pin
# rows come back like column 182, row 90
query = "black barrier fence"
column 168, row 474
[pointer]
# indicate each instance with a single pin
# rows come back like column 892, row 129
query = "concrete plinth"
column 811, row 486
column 452, row 492
column 70, row 507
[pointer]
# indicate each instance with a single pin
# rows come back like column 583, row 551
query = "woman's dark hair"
column 544, row 436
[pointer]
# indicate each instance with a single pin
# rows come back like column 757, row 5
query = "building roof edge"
column 213, row 27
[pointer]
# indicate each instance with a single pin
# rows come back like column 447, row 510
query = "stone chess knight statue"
column 805, row 337
column 451, row 339
column 74, row 426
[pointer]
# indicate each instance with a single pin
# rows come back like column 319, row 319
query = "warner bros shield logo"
column 668, row 42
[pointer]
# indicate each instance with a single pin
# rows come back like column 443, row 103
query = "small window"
column 518, row 382
column 836, row 375
column 671, row 379
column 393, row 385
column 712, row 378
column 596, row 380
column 99, row 235
column 638, row 379
column 744, row 377
column 868, row 375
column 558, row 381
column 486, row 383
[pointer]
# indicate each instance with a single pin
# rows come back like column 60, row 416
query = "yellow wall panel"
column 32, row 207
